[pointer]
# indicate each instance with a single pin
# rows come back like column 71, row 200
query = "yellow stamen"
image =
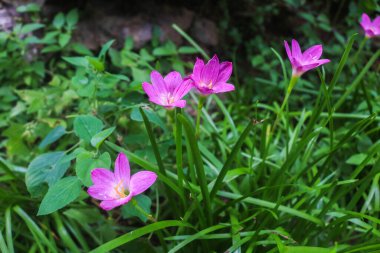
column 120, row 193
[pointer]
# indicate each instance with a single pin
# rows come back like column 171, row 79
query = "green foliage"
column 309, row 185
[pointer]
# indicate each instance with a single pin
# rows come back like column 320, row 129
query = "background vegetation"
column 310, row 186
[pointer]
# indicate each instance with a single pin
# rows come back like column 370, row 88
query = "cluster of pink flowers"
column 206, row 78
column 118, row 188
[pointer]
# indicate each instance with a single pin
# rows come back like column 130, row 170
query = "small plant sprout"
column 371, row 28
column 118, row 188
column 168, row 91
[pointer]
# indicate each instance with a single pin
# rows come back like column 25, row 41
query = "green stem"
column 361, row 46
column 199, row 112
column 178, row 144
column 141, row 210
column 291, row 85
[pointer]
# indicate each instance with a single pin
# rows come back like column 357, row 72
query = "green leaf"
column 86, row 126
column 85, row 163
column 46, row 168
column 59, row 20
column 72, row 18
column 105, row 49
column 95, row 63
column 130, row 210
column 60, row 195
column 187, row 50
column 30, row 28
column 77, row 61
column 151, row 115
column 137, row 233
column 81, row 49
column 54, row 135
column 33, row 7
column 98, row 138
column 304, row 249
column 64, row 39
column 358, row 159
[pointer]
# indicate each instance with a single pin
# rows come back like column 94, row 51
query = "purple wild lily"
column 168, row 91
column 212, row 77
column 371, row 29
column 118, row 188
column 302, row 62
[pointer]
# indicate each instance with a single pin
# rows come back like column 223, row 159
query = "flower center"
column 205, row 85
column 119, row 188
column 170, row 99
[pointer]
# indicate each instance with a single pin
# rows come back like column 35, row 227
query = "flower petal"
column 197, row 70
column 313, row 53
column 296, row 50
column 111, row 204
column 288, row 51
column 122, row 170
column 183, row 89
column 149, row 90
column 172, row 80
column 180, row 103
column 102, row 176
column 223, row 87
column 366, row 21
column 308, row 67
column 376, row 22
column 323, row 61
column 210, row 71
column 102, row 192
column 158, row 82
column 141, row 181
column 225, row 71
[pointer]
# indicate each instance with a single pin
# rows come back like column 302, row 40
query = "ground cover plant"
column 265, row 144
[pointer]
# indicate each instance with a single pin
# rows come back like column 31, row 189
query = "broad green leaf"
column 60, row 195
column 59, row 20
column 358, row 159
column 64, row 39
column 54, row 135
column 77, row 61
column 95, row 63
column 98, row 138
column 86, row 162
column 30, row 28
column 187, row 50
column 32, row 7
column 46, row 168
column 86, row 126
column 130, row 210
column 151, row 115
column 72, row 18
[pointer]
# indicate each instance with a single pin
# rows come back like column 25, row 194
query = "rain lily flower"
column 302, row 62
column 118, row 188
column 167, row 91
column 212, row 77
column 371, row 29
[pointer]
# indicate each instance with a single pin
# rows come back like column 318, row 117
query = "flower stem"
column 147, row 215
column 291, row 85
column 199, row 112
column 178, row 146
column 361, row 46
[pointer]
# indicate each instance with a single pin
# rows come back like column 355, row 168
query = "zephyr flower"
column 118, row 188
column 302, row 62
column 167, row 91
column 212, row 77
column 371, row 29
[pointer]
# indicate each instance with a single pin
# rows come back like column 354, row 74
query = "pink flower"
column 371, row 29
column 212, row 77
column 302, row 62
column 167, row 91
column 116, row 189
